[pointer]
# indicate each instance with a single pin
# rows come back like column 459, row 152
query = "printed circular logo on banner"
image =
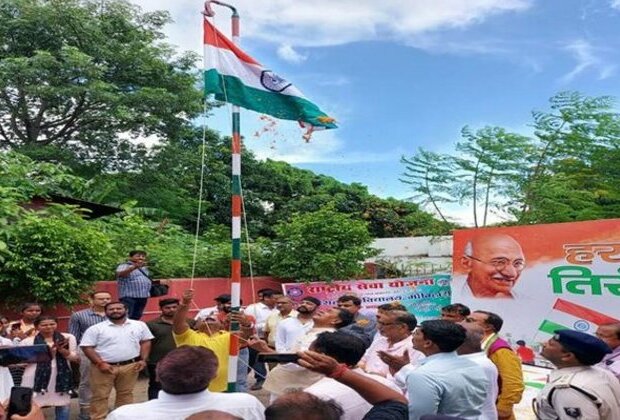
column 443, row 282
column 581, row 325
column 294, row 292
column 273, row 82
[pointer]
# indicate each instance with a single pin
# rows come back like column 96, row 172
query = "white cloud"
column 615, row 4
column 587, row 57
column 288, row 53
column 328, row 22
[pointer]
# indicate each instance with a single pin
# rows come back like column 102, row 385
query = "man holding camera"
column 134, row 284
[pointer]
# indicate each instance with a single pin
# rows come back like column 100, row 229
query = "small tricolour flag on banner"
column 235, row 77
column 569, row 315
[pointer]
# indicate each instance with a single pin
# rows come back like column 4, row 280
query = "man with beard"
column 118, row 349
column 494, row 263
column 290, row 329
column 163, row 343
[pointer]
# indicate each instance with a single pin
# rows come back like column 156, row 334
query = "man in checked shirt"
column 134, row 284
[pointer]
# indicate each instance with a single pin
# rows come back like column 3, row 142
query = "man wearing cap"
column 610, row 334
column 577, row 390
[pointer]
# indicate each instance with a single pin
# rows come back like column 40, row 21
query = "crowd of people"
column 344, row 362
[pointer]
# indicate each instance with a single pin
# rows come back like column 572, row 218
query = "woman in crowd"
column 19, row 330
column 4, row 326
column 52, row 381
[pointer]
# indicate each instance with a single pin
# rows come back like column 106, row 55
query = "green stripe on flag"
column 287, row 107
column 549, row 327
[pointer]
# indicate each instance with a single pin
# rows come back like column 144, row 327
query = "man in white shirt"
column 472, row 349
column 394, row 338
column 284, row 310
column 118, row 349
column 184, row 391
column 261, row 311
column 348, row 349
column 289, row 330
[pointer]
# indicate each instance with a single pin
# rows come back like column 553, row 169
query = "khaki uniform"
column 581, row 392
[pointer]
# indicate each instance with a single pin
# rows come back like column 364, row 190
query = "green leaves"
column 53, row 257
column 565, row 171
column 85, row 75
column 322, row 245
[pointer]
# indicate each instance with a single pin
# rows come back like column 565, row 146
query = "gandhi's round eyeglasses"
column 501, row 263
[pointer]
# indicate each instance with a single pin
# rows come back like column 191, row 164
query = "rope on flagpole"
column 200, row 193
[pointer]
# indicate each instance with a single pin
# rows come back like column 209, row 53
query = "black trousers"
column 154, row 386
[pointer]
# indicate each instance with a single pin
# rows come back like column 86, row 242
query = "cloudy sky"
column 403, row 74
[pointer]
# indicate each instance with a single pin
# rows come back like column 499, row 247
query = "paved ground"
column 140, row 395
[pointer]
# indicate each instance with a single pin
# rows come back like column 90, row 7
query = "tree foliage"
column 564, row 171
column 79, row 78
column 322, row 245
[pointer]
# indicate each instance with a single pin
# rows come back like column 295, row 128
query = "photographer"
column 134, row 284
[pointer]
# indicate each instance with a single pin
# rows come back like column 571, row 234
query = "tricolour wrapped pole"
column 235, row 264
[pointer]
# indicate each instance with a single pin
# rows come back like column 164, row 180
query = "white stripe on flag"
column 227, row 64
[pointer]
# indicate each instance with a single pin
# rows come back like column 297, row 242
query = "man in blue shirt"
column 443, row 383
column 134, row 284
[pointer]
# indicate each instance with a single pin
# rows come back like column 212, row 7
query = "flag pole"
column 235, row 264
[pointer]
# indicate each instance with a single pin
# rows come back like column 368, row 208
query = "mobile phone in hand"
column 278, row 357
column 20, row 402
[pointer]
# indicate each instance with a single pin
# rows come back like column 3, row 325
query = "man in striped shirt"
column 134, row 284
column 79, row 322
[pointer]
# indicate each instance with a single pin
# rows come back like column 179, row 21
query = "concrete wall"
column 205, row 290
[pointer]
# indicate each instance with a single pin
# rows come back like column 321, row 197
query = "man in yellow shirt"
column 210, row 335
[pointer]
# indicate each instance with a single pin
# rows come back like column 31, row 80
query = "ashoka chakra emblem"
column 273, row 82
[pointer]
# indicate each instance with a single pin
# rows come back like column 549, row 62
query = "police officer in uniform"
column 576, row 389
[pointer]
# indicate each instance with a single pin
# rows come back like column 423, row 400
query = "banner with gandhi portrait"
column 540, row 278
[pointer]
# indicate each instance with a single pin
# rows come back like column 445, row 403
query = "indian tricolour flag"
column 235, row 77
column 569, row 315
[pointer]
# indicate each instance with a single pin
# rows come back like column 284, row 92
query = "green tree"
column 54, row 256
column 565, row 171
column 431, row 176
column 78, row 78
column 321, row 245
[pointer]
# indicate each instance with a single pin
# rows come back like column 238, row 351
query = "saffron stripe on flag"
column 214, row 37
column 582, row 312
column 550, row 327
